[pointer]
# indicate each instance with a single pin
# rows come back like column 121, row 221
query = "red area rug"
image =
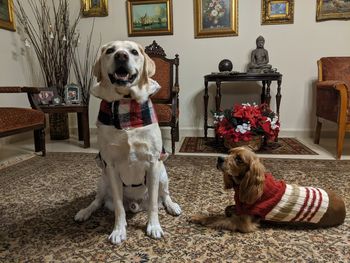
column 209, row 145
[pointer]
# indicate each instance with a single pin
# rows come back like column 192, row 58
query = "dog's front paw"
column 118, row 235
column 173, row 208
column 197, row 219
column 82, row 215
column 154, row 231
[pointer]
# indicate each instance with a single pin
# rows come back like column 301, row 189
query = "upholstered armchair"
column 166, row 100
column 14, row 120
column 332, row 96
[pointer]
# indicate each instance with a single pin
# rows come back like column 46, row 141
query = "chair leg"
column 39, row 141
column 177, row 137
column 340, row 139
column 173, row 138
column 318, row 132
column 42, row 139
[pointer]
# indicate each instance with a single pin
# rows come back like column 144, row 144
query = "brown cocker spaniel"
column 259, row 196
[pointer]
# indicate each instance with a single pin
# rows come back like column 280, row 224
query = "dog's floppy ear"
column 252, row 186
column 149, row 67
column 97, row 67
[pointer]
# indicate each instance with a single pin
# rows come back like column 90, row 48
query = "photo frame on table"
column 72, row 94
column 275, row 12
column 91, row 8
column 329, row 10
column 6, row 15
column 46, row 96
column 215, row 18
column 150, row 17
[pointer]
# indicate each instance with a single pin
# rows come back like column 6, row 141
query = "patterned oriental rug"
column 39, row 198
column 283, row 146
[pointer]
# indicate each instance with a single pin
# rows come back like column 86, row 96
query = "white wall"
column 293, row 50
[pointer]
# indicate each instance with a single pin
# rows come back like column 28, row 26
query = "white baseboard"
column 184, row 132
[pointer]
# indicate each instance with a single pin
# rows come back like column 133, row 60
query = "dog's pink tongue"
column 121, row 76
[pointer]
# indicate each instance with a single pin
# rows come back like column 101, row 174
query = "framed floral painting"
column 6, row 15
column 92, row 8
column 150, row 17
column 335, row 9
column 277, row 12
column 216, row 18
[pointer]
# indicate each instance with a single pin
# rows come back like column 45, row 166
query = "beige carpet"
column 39, row 198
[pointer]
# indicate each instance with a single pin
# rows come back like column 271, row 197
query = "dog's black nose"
column 121, row 56
column 220, row 161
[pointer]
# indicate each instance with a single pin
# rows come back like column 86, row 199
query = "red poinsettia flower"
column 244, row 121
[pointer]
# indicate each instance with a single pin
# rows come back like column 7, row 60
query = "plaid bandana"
column 127, row 113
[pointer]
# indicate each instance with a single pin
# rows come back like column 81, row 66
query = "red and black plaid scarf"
column 127, row 113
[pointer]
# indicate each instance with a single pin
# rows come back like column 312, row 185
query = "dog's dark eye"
column 238, row 160
column 134, row 52
column 110, row 50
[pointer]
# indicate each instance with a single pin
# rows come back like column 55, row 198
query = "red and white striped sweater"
column 284, row 202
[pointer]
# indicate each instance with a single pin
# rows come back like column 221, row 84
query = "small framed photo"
column 45, row 96
column 92, row 8
column 72, row 94
column 150, row 17
column 216, row 18
column 6, row 15
column 275, row 12
column 329, row 10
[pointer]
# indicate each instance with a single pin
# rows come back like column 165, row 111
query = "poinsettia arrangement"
column 245, row 121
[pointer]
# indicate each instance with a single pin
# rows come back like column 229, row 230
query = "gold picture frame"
column 150, row 17
column 274, row 12
column 91, row 8
column 332, row 10
column 6, row 15
column 219, row 19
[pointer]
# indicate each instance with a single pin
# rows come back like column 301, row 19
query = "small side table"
column 218, row 78
column 83, row 118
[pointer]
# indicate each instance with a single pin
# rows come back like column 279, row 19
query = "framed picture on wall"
column 94, row 8
column 6, row 15
column 215, row 18
column 277, row 12
column 335, row 9
column 150, row 17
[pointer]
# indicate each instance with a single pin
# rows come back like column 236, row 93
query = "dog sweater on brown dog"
column 284, row 202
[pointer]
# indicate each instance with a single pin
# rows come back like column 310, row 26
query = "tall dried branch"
column 83, row 67
column 53, row 36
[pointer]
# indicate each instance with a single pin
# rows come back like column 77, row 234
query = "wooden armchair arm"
column 333, row 88
column 29, row 90
column 337, row 85
column 332, row 84
column 13, row 89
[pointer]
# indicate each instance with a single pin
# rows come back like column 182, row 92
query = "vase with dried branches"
column 53, row 34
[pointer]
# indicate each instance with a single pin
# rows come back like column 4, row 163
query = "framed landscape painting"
column 277, row 12
column 150, row 17
column 6, row 15
column 215, row 18
column 333, row 9
column 93, row 8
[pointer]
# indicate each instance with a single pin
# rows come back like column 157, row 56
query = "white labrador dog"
column 134, row 177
